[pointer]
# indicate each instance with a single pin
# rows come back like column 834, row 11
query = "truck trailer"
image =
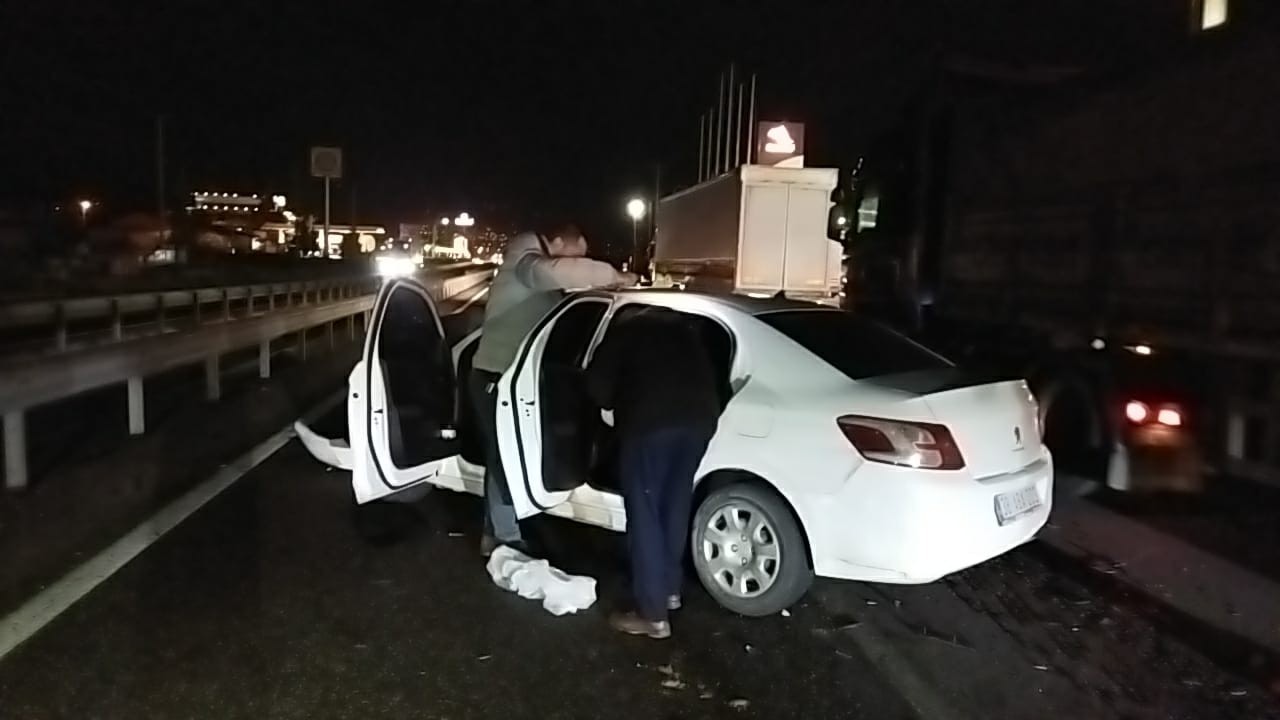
column 757, row 230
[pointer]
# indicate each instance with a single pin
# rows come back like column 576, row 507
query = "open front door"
column 545, row 421
column 403, row 394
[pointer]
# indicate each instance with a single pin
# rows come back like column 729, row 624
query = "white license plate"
column 1011, row 505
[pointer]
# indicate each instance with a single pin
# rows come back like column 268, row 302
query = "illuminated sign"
column 780, row 143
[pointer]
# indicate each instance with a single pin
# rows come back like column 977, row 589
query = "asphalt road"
column 278, row 600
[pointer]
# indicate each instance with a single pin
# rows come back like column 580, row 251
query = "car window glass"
column 855, row 346
column 572, row 332
column 714, row 339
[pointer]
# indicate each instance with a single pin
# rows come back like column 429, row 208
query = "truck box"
column 758, row 230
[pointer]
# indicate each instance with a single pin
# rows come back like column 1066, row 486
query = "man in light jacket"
column 535, row 270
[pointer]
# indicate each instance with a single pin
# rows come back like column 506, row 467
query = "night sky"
column 511, row 110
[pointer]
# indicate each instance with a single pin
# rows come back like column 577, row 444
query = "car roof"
column 742, row 303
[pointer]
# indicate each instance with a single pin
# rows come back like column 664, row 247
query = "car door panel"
column 562, row 340
column 402, row 400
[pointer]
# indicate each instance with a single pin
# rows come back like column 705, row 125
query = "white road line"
column 51, row 602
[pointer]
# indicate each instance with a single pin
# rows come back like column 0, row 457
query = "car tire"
column 786, row 579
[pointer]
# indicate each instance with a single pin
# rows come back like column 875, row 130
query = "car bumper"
column 898, row 525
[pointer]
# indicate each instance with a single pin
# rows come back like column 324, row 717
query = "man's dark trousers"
column 499, row 514
column 657, row 468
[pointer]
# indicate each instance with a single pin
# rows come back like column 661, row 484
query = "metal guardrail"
column 157, row 308
column 35, row 313
column 35, row 381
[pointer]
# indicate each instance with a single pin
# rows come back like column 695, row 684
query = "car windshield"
column 855, row 346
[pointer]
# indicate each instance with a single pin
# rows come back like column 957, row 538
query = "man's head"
column 566, row 241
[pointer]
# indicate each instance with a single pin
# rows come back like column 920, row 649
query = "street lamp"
column 635, row 208
column 84, row 210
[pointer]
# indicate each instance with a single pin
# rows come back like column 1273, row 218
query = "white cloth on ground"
column 559, row 592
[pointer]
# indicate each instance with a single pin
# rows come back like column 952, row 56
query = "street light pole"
column 636, row 209
column 324, row 243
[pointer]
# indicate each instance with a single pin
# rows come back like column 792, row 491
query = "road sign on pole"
column 326, row 162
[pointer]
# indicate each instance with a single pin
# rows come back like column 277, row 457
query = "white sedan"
column 844, row 449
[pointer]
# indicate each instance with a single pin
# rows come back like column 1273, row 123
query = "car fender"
column 731, row 456
column 746, row 472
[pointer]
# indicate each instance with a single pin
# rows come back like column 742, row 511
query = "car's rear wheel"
column 748, row 550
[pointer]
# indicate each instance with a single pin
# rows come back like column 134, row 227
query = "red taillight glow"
column 1137, row 412
column 898, row 442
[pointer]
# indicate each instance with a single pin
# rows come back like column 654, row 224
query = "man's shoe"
column 674, row 602
column 632, row 624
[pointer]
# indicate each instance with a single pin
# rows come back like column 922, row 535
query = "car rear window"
column 855, row 346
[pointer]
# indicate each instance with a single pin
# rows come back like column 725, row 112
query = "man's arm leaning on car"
column 540, row 272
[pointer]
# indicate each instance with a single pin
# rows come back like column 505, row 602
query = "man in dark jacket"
column 655, row 375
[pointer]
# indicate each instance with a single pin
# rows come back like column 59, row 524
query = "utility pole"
column 160, row 203
column 653, row 213
column 719, row 130
column 737, row 130
column 728, row 123
column 702, row 144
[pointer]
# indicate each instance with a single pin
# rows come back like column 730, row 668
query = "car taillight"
column 1139, row 413
column 904, row 443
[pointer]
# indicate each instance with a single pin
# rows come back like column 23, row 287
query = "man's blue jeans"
column 656, row 472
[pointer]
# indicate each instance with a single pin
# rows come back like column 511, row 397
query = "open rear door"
column 401, row 409
column 543, row 427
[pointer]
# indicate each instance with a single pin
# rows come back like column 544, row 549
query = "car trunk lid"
column 993, row 420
